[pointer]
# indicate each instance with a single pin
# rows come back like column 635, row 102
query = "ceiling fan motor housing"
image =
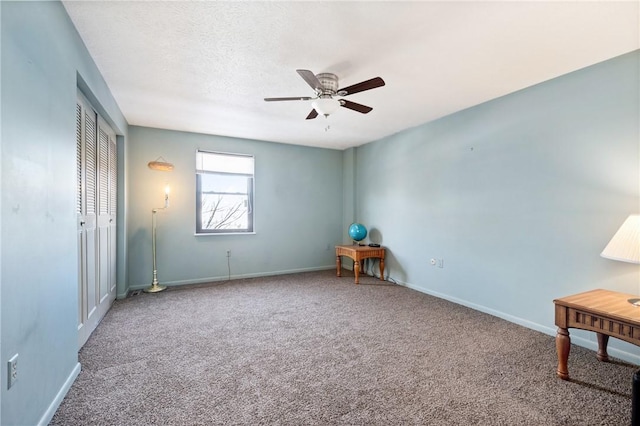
column 329, row 83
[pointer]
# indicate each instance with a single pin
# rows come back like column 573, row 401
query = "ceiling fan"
column 326, row 87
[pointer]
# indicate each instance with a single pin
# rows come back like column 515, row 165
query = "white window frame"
column 202, row 168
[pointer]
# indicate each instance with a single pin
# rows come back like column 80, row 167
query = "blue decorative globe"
column 357, row 232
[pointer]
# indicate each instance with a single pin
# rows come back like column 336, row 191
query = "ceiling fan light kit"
column 326, row 106
column 326, row 87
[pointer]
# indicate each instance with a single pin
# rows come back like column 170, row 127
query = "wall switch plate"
column 12, row 373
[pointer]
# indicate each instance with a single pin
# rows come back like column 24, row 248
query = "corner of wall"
column 348, row 189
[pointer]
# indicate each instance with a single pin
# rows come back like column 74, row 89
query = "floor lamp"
column 625, row 247
column 155, row 287
column 161, row 165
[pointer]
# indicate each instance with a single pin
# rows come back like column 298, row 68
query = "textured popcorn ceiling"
column 206, row 66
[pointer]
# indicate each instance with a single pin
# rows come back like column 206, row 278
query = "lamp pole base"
column 154, row 288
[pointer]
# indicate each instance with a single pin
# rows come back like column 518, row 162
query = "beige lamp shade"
column 160, row 164
column 625, row 244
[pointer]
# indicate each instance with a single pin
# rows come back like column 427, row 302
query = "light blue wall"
column 298, row 210
column 41, row 57
column 518, row 195
column 1, row 358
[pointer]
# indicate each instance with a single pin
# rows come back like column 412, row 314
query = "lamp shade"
column 625, row 244
column 325, row 106
column 160, row 164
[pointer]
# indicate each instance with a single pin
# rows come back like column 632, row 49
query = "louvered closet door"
column 80, row 197
column 87, row 192
column 113, row 205
column 96, row 192
column 106, row 216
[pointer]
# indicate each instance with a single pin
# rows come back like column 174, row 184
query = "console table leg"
column 602, row 354
column 338, row 266
column 356, row 270
column 382, row 268
column 635, row 399
column 563, row 345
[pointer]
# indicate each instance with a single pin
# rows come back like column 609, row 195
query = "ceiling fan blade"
column 355, row 106
column 298, row 98
column 311, row 79
column 313, row 114
column 361, row 87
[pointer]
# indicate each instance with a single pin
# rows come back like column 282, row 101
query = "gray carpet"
column 309, row 349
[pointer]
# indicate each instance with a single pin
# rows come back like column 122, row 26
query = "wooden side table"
column 607, row 313
column 358, row 254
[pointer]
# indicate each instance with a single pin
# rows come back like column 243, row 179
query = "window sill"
column 212, row 234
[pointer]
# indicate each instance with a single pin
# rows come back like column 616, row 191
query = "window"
column 224, row 193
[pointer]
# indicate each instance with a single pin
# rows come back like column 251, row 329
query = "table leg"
column 338, row 266
column 563, row 345
column 602, row 354
column 356, row 270
column 382, row 268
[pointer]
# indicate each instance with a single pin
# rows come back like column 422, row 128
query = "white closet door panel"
column 103, row 168
column 96, row 224
column 113, row 199
column 113, row 177
column 90, row 165
column 90, row 243
column 79, row 212
column 105, row 136
column 81, row 272
column 91, row 230
column 103, row 241
column 88, row 222
column 79, row 162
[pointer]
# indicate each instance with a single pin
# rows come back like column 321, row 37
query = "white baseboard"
column 580, row 341
column 227, row 278
column 48, row 415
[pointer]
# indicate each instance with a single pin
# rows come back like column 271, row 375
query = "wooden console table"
column 358, row 254
column 608, row 313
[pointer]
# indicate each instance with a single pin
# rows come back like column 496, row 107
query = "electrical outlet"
column 228, row 253
column 12, row 375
